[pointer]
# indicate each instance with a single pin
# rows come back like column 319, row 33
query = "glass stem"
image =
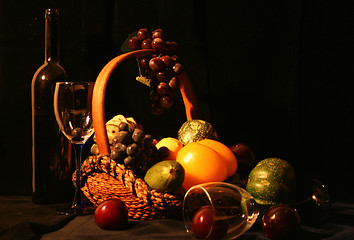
column 78, row 203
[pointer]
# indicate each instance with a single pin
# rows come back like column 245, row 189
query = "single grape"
column 133, row 149
column 134, row 43
column 114, row 153
column 120, row 146
column 162, row 76
column 120, row 152
column 129, row 161
column 167, row 60
column 138, row 135
column 76, row 132
column 177, row 68
column 163, row 89
column 174, row 83
column 158, row 44
column 123, row 126
column 146, row 43
column 156, row 64
column 158, row 33
column 123, row 137
column 166, row 101
column 143, row 34
column 163, row 152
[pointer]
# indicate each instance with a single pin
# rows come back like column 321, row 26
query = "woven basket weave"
column 103, row 178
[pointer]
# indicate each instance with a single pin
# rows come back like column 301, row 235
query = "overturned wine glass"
column 218, row 210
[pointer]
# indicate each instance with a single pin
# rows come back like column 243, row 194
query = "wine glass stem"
column 78, row 203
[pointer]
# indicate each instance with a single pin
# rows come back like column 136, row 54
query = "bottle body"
column 51, row 151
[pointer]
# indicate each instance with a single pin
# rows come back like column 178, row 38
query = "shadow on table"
column 21, row 219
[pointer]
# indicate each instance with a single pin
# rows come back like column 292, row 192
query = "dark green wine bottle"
column 51, row 151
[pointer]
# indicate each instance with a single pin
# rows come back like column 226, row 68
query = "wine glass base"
column 77, row 211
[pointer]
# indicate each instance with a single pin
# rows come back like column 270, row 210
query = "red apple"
column 208, row 224
column 111, row 214
column 245, row 158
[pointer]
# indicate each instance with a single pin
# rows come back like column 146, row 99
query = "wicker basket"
column 103, row 178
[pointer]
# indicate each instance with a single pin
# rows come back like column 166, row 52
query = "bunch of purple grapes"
column 162, row 68
column 135, row 149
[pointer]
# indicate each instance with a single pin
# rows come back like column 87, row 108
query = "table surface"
column 21, row 219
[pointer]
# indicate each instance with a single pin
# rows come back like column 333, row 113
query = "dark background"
column 276, row 75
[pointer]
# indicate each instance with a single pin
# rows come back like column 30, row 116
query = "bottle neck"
column 52, row 36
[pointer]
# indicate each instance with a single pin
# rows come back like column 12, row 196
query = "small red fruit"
column 158, row 44
column 167, row 60
column 158, row 33
column 208, row 224
column 245, row 158
column 134, row 43
column 143, row 34
column 111, row 215
column 156, row 64
column 280, row 222
column 146, row 43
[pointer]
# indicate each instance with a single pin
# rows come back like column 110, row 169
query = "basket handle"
column 98, row 98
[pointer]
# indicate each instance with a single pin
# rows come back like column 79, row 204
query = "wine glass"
column 72, row 108
column 314, row 210
column 218, row 210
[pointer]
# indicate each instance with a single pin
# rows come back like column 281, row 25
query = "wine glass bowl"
column 73, row 108
column 218, row 210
